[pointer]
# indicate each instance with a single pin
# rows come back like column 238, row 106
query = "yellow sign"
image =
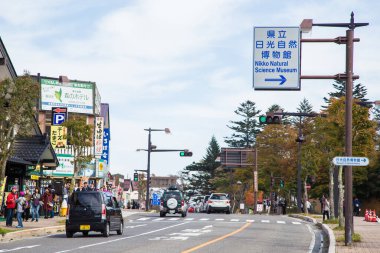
column 58, row 136
column 34, row 177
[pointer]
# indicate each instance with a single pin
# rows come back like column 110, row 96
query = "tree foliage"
column 18, row 99
column 246, row 129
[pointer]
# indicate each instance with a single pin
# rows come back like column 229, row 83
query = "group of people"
column 27, row 205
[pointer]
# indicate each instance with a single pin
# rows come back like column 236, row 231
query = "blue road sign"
column 59, row 118
column 276, row 58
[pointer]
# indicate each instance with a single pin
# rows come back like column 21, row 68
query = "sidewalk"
column 30, row 229
column 369, row 232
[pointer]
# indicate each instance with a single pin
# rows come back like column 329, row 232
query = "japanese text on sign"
column 276, row 58
column 99, row 125
column 58, row 136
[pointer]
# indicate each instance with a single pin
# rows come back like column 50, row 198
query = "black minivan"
column 93, row 211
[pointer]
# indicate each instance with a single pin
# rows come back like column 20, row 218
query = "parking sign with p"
column 58, row 115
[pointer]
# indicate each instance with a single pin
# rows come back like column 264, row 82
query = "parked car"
column 219, row 202
column 203, row 205
column 173, row 202
column 93, row 211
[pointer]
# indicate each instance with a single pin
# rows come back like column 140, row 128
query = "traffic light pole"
column 147, row 199
column 299, row 167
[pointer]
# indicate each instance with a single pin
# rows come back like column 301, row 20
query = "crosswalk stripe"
column 296, row 223
column 251, row 221
column 174, row 219
column 189, row 219
column 280, row 222
column 219, row 219
column 265, row 221
column 159, row 219
column 204, row 219
column 143, row 219
column 234, row 220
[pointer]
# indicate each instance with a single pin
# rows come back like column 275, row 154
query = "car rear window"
column 86, row 199
column 169, row 195
column 219, row 197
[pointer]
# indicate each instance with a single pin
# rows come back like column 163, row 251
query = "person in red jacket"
column 11, row 205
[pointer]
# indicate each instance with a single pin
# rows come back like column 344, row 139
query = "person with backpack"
column 21, row 202
column 11, row 205
column 36, row 204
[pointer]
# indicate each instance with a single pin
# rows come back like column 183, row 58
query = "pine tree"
column 359, row 92
column 245, row 130
column 199, row 175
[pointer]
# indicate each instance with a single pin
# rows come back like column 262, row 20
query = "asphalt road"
column 196, row 233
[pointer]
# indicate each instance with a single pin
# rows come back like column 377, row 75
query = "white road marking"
column 296, row 223
column 124, row 238
column 265, row 221
column 189, row 219
column 186, row 234
column 250, row 221
column 174, row 219
column 144, row 219
column 136, row 226
column 159, row 219
column 209, row 226
column 219, row 219
column 312, row 242
column 280, row 222
column 191, row 230
column 204, row 219
column 19, row 248
column 183, row 238
column 235, row 220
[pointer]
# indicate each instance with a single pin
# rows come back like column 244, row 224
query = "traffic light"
column 282, row 183
column 136, row 177
column 270, row 119
column 272, row 181
column 185, row 153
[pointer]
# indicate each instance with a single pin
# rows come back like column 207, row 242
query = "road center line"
column 124, row 238
column 217, row 239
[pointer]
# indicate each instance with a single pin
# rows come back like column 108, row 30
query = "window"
column 80, row 199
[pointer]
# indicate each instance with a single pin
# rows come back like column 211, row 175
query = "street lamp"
column 150, row 147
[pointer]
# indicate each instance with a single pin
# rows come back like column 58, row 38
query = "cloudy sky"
column 185, row 65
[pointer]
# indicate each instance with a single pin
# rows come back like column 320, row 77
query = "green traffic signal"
column 282, row 183
column 263, row 119
column 185, row 153
column 136, row 177
column 270, row 119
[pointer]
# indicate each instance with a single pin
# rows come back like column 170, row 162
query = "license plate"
column 172, row 211
column 84, row 227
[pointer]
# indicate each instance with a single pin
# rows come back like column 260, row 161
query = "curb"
column 325, row 229
column 12, row 236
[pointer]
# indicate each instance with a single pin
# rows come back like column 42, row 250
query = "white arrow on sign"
column 350, row 161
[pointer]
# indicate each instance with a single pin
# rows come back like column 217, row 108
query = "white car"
column 219, row 202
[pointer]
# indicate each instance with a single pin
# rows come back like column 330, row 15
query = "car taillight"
column 228, row 201
column 68, row 212
column 104, row 212
column 162, row 203
column 182, row 203
column 209, row 201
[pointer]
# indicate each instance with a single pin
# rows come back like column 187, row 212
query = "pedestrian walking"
column 11, row 205
column 284, row 207
column 92, row 187
column 321, row 200
column 268, row 205
column 86, row 188
column 308, row 206
column 54, row 200
column 66, row 192
column 27, row 206
column 21, row 202
column 36, row 204
column 47, row 202
column 356, row 204
column 326, row 209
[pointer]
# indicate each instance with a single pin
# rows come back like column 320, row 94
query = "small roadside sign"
column 58, row 115
column 350, row 161
column 276, row 58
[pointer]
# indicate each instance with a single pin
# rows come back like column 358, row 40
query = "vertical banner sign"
column 255, row 178
column 106, row 145
column 2, row 188
column 276, row 58
column 99, row 127
column 58, row 136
